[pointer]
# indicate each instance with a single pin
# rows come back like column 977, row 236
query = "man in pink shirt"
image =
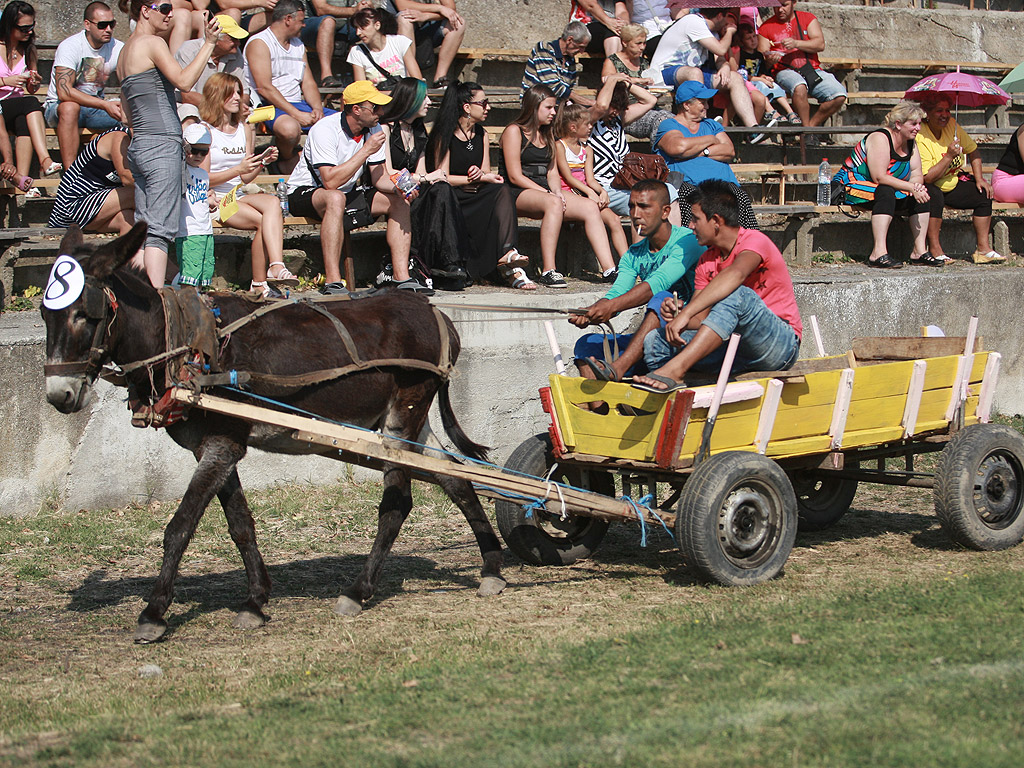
column 742, row 285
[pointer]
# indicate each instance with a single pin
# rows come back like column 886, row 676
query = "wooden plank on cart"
column 357, row 443
column 910, row 347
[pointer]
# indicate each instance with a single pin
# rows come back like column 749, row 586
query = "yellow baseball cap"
column 363, row 90
column 230, row 27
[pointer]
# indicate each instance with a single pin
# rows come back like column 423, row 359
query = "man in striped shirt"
column 554, row 63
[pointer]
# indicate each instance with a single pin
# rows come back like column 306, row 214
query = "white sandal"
column 520, row 281
column 284, row 277
column 264, row 290
column 54, row 168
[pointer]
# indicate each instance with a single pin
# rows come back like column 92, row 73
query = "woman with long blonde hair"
column 232, row 162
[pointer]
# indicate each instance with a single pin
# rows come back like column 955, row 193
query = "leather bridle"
column 100, row 305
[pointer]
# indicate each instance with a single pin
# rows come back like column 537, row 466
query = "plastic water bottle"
column 282, row 195
column 824, row 182
column 404, row 182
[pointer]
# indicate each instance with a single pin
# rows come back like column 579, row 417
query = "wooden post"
column 841, row 409
column 914, row 392
column 988, row 387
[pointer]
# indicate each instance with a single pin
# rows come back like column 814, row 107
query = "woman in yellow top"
column 952, row 174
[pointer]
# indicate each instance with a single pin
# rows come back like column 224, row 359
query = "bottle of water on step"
column 282, row 195
column 824, row 182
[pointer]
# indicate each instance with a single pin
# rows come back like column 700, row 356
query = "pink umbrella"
column 963, row 89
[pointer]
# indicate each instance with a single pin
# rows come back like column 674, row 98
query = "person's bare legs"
column 330, row 207
column 982, row 228
column 325, row 45
column 760, row 104
column 256, row 213
column 153, row 261
column 582, row 209
column 399, row 233
column 613, row 221
column 548, row 208
column 934, row 235
column 919, row 228
column 117, row 214
column 879, row 230
column 287, row 133
column 449, row 48
column 67, row 132
column 704, row 342
column 801, row 104
column 825, row 110
column 739, row 97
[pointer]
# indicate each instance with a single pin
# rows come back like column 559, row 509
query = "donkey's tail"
column 454, row 430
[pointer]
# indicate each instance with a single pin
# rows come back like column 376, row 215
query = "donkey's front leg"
column 243, row 533
column 217, row 459
column 395, row 505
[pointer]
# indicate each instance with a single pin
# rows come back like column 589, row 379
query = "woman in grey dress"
column 149, row 75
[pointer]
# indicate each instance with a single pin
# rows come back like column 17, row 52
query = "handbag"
column 806, row 70
column 637, row 166
column 390, row 81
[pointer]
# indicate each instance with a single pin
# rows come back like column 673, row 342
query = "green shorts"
column 195, row 259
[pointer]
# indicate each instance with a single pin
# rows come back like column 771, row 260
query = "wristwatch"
column 706, row 151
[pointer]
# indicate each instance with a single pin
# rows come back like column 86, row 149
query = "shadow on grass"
column 860, row 524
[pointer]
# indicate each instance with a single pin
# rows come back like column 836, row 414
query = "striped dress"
column 85, row 186
column 856, row 178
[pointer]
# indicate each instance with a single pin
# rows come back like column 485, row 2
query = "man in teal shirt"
column 658, row 266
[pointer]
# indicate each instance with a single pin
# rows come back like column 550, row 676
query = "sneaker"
column 414, row 285
column 770, row 118
column 987, row 258
column 552, row 279
column 812, row 140
column 385, row 277
column 793, row 119
column 610, row 275
column 334, row 289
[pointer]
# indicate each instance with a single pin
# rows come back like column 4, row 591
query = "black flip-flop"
column 926, row 260
column 602, row 369
column 885, row 261
column 671, row 385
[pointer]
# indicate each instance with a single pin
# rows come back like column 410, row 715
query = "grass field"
column 882, row 645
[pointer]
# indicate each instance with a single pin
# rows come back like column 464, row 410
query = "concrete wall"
column 95, row 459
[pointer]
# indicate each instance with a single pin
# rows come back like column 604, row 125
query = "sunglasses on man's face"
column 104, row 24
column 163, row 9
column 25, row 27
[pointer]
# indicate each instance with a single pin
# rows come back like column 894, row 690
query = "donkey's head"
column 79, row 309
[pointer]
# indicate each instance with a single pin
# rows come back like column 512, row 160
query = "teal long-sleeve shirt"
column 669, row 269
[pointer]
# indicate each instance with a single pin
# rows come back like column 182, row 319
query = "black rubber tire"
column 821, row 500
column 736, row 520
column 543, row 538
column 979, row 487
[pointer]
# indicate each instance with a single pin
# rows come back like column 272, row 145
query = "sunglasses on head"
column 163, row 8
column 199, row 151
column 25, row 27
column 104, row 24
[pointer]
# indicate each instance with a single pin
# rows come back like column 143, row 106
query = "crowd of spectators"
column 557, row 161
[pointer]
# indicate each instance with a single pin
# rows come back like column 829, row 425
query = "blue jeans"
column 88, row 117
column 591, row 344
column 302, row 106
column 829, row 88
column 767, row 342
column 771, row 92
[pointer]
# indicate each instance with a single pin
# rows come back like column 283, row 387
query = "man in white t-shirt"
column 696, row 47
column 81, row 67
column 225, row 58
column 277, row 74
column 323, row 184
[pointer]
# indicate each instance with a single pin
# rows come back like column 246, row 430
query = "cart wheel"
column 737, row 519
column 821, row 500
column 979, row 487
column 544, row 538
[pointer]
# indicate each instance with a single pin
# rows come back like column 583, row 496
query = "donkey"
column 119, row 317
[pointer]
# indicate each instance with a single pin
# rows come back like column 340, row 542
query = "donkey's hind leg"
column 243, row 533
column 217, row 459
column 462, row 493
column 395, row 505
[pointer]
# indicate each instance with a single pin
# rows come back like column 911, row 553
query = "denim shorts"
column 767, row 342
column 771, row 92
column 829, row 88
column 88, row 117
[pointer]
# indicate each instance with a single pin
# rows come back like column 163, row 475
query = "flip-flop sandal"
column 284, row 277
column 602, row 369
column 520, row 281
column 885, row 261
column 926, row 260
column 671, row 384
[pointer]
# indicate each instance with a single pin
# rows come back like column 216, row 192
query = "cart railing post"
column 914, row 392
column 841, row 409
column 716, row 400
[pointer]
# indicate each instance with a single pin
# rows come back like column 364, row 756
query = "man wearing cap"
column 278, row 73
column 226, row 58
column 81, row 67
column 323, row 184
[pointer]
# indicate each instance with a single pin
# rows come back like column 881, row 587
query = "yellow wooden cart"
column 784, row 450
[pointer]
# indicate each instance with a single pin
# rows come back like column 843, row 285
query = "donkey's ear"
column 110, row 256
column 72, row 239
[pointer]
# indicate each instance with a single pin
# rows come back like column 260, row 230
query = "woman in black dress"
column 459, row 146
column 440, row 240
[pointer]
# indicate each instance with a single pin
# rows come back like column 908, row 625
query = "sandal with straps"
column 520, row 281
column 284, row 277
column 512, row 260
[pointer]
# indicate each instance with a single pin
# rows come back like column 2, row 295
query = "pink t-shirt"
column 770, row 281
column 5, row 71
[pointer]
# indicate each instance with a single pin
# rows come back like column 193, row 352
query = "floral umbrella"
column 962, row 88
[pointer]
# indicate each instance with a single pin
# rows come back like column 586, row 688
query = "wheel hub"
column 996, row 491
column 744, row 523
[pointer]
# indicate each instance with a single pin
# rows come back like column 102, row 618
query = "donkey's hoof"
column 346, row 606
column 149, row 631
column 249, row 619
column 490, row 586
